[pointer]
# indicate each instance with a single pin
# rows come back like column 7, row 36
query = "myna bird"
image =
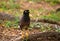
column 25, row 20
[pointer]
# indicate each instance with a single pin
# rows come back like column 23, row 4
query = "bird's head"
column 26, row 12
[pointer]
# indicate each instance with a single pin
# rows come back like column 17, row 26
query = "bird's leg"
column 26, row 28
column 21, row 27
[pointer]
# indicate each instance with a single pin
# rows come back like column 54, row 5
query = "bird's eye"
column 25, row 11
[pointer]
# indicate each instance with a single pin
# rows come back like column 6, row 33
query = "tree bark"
column 4, row 16
column 47, row 21
column 45, row 36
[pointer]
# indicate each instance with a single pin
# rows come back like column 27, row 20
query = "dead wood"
column 4, row 16
column 47, row 21
column 45, row 36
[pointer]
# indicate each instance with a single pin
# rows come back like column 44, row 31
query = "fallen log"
column 47, row 21
column 45, row 36
column 4, row 16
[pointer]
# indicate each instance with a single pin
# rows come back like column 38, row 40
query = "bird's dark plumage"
column 25, row 20
column 58, row 10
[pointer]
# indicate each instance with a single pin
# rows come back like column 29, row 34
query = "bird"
column 25, row 20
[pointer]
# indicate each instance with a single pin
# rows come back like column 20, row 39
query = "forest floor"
column 13, row 34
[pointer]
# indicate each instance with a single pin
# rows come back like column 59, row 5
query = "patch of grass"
column 13, row 4
column 34, row 13
column 9, row 5
column 34, row 0
column 13, row 24
column 41, row 10
column 52, row 16
column 58, row 30
column 32, row 10
column 8, row 24
column 53, row 2
column 3, row 5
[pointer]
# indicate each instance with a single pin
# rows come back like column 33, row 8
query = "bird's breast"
column 26, row 18
column 25, row 21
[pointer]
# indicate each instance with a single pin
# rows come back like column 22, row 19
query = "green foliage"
column 53, row 16
column 41, row 10
column 32, row 10
column 3, row 5
column 9, row 5
column 14, row 6
column 58, row 30
column 8, row 23
column 16, row 20
column 35, row 0
column 53, row 2
column 12, row 23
